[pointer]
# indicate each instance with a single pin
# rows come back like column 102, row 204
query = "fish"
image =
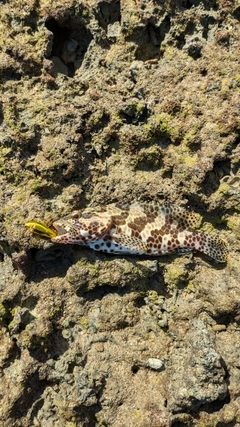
column 152, row 229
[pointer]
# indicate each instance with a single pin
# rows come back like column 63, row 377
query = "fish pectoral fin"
column 130, row 243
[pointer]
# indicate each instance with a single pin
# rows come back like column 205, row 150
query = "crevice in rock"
column 7, row 317
column 52, row 346
column 107, row 13
column 225, row 318
column 33, row 389
column 206, row 23
column 13, row 353
column 215, row 406
column 71, row 39
column 31, row 19
column 212, row 180
column 1, row 113
column 155, row 34
column 187, row 4
column 134, row 113
column 189, row 31
column 236, row 13
column 101, row 292
column 208, row 4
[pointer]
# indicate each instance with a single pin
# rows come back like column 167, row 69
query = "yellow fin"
column 40, row 229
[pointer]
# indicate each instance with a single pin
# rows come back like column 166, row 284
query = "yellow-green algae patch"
column 175, row 273
column 234, row 224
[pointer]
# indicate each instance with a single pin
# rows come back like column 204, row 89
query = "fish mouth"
column 60, row 229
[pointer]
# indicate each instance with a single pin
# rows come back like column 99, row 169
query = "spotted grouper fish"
column 137, row 229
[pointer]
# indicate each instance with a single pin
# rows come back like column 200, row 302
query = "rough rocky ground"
column 104, row 101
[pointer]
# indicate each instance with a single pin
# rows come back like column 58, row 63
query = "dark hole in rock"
column 25, row 317
column 134, row 369
column 207, row 23
column 70, row 43
column 134, row 113
column 168, row 173
column 1, row 113
column 12, row 74
column 203, row 72
column 30, row 302
column 208, row 4
column 236, row 13
column 32, row 390
column 157, row 34
column 213, row 177
column 6, row 314
column 215, row 406
column 182, row 39
column 107, row 12
column 195, row 50
column 224, row 319
column 149, row 48
column 187, row 4
column 60, row 34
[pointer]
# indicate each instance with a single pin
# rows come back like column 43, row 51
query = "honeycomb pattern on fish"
column 138, row 228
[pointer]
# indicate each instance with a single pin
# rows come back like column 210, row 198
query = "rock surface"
column 104, row 101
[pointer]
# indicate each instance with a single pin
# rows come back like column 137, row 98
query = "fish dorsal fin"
column 183, row 217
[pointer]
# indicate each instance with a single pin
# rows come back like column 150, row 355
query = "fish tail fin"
column 213, row 246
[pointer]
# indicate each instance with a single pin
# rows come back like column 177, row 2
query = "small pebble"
column 155, row 364
column 219, row 328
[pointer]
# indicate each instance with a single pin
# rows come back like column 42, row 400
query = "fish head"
column 81, row 229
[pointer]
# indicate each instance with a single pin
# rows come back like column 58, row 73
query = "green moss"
column 135, row 109
column 234, row 224
column 187, row 110
column 84, row 322
column 5, row 152
column 225, row 89
column 56, row 312
column 190, row 136
column 188, row 161
column 116, row 119
column 131, row 24
column 224, row 188
column 191, row 286
column 10, row 116
column 166, row 125
column 153, row 296
column 35, row 184
column 168, row 51
column 160, row 125
column 139, row 108
column 149, row 157
column 95, row 119
column 208, row 227
column 85, row 13
column 182, row 157
column 176, row 273
column 3, row 312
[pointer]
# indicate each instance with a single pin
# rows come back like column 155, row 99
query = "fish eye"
column 75, row 216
